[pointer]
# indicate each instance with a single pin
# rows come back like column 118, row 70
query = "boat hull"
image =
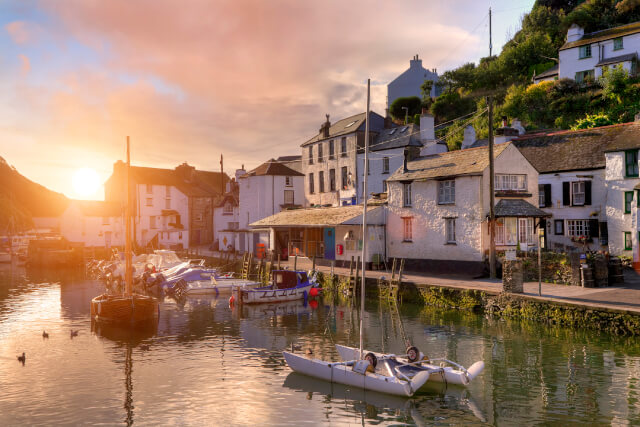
column 259, row 296
column 124, row 309
column 447, row 374
column 343, row 374
column 221, row 285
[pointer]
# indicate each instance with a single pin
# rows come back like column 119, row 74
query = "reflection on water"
column 207, row 363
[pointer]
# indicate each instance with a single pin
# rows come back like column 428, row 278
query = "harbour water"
column 207, row 364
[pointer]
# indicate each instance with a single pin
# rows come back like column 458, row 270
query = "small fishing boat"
column 286, row 286
column 442, row 370
column 215, row 285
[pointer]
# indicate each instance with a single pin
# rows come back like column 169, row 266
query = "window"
column 406, row 194
column 631, row 163
column 332, row 180
column 581, row 76
column 385, row 165
column 227, row 209
column 628, row 198
column 627, row 241
column 585, row 51
column 288, row 197
column 617, row 43
column 450, row 225
column 167, row 203
column 149, row 201
column 351, row 124
column 198, row 217
column 320, row 153
column 510, row 231
column 343, row 146
column 167, row 190
column 331, row 150
column 577, row 192
column 446, row 192
column 311, row 184
column 384, row 186
column 321, row 181
column 288, row 181
column 500, row 231
column 311, row 154
column 152, row 222
column 577, row 227
column 541, row 199
column 345, row 178
column 407, row 230
column 511, row 182
column 105, row 220
column 233, row 225
column 180, row 235
column 558, row 225
column 149, row 188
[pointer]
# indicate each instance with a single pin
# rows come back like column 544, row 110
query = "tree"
column 451, row 105
column 413, row 103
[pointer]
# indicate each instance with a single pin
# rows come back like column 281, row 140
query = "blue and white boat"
column 286, row 285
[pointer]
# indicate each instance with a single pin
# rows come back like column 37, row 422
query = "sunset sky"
column 250, row 79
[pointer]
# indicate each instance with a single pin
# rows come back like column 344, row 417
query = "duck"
column 308, row 352
column 22, row 358
column 45, row 334
column 74, row 333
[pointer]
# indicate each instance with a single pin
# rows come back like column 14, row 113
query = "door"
column 329, row 243
column 107, row 239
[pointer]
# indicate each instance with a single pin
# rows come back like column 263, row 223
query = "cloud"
column 21, row 32
column 26, row 65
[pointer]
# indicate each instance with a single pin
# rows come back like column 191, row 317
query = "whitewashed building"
column 173, row 208
column 438, row 207
column 264, row 191
column 94, row 223
column 408, row 83
column 572, row 185
column 226, row 217
column 586, row 55
column 329, row 160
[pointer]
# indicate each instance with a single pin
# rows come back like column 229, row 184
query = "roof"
column 569, row 150
column 397, row 137
column 472, row 161
column 99, row 208
column 342, row 127
column 609, row 33
column 518, row 208
column 617, row 59
column 319, row 217
column 627, row 137
column 272, row 167
column 553, row 71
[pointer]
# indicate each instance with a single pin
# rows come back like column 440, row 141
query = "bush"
column 412, row 102
column 592, row 121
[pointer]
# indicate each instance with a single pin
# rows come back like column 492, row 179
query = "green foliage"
column 450, row 105
column 412, row 102
column 594, row 15
column 592, row 121
column 425, row 88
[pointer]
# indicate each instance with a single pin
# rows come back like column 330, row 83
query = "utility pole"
column 492, row 214
column 490, row 45
column 221, row 175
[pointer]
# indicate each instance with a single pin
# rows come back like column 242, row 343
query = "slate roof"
column 343, row 127
column 318, row 217
column 627, row 137
column 397, row 137
column 272, row 167
column 610, row 33
column 617, row 59
column 471, row 161
column 518, row 208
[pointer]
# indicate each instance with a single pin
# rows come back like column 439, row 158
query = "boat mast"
column 127, row 216
column 364, row 215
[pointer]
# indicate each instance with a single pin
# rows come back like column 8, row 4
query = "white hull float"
column 216, row 286
column 344, row 373
column 450, row 373
column 286, row 286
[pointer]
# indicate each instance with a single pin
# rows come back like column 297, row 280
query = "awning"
column 617, row 59
column 518, row 208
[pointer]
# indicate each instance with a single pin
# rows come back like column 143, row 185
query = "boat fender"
column 413, row 354
column 313, row 292
column 232, row 299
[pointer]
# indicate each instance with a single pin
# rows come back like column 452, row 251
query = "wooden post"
column 313, row 268
column 355, row 282
column 492, row 215
column 295, row 262
column 278, row 261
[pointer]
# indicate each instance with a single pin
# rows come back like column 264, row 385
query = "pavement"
column 624, row 297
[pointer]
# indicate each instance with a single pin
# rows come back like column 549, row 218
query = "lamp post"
column 406, row 114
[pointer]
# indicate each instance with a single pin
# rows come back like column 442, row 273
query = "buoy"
column 232, row 299
column 313, row 292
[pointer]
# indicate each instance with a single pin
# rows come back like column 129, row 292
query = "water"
column 205, row 364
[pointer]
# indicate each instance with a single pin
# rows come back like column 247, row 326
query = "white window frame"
column 541, row 198
column 385, row 165
column 577, row 227
column 450, row 230
column 289, row 197
column 406, row 194
column 447, row 192
column 510, row 182
column 407, row 229
column 500, row 231
column 578, row 193
column 510, row 231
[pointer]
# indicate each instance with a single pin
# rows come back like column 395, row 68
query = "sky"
column 189, row 81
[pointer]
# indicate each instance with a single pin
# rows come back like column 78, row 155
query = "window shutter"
column 604, row 233
column 547, row 196
column 587, row 193
column 566, row 193
column 594, row 228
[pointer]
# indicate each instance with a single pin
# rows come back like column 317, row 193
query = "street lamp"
column 406, row 114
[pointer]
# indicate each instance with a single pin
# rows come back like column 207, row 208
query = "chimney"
column 324, row 128
column 186, row 172
column 427, row 128
column 574, row 33
column 405, row 153
column 504, row 121
column 505, row 134
column 469, row 137
column 517, row 125
column 415, row 62
column 240, row 172
column 387, row 119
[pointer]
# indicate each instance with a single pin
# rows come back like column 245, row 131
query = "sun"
column 85, row 182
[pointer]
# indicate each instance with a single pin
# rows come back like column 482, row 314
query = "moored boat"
column 286, row 286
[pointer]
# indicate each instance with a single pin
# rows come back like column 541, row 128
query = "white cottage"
column 439, row 204
column 94, row 223
column 571, row 184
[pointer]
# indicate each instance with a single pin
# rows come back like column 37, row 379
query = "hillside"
column 21, row 199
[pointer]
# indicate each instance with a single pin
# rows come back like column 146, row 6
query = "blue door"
column 329, row 243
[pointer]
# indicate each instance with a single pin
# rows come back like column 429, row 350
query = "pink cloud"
column 21, row 32
column 25, row 64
